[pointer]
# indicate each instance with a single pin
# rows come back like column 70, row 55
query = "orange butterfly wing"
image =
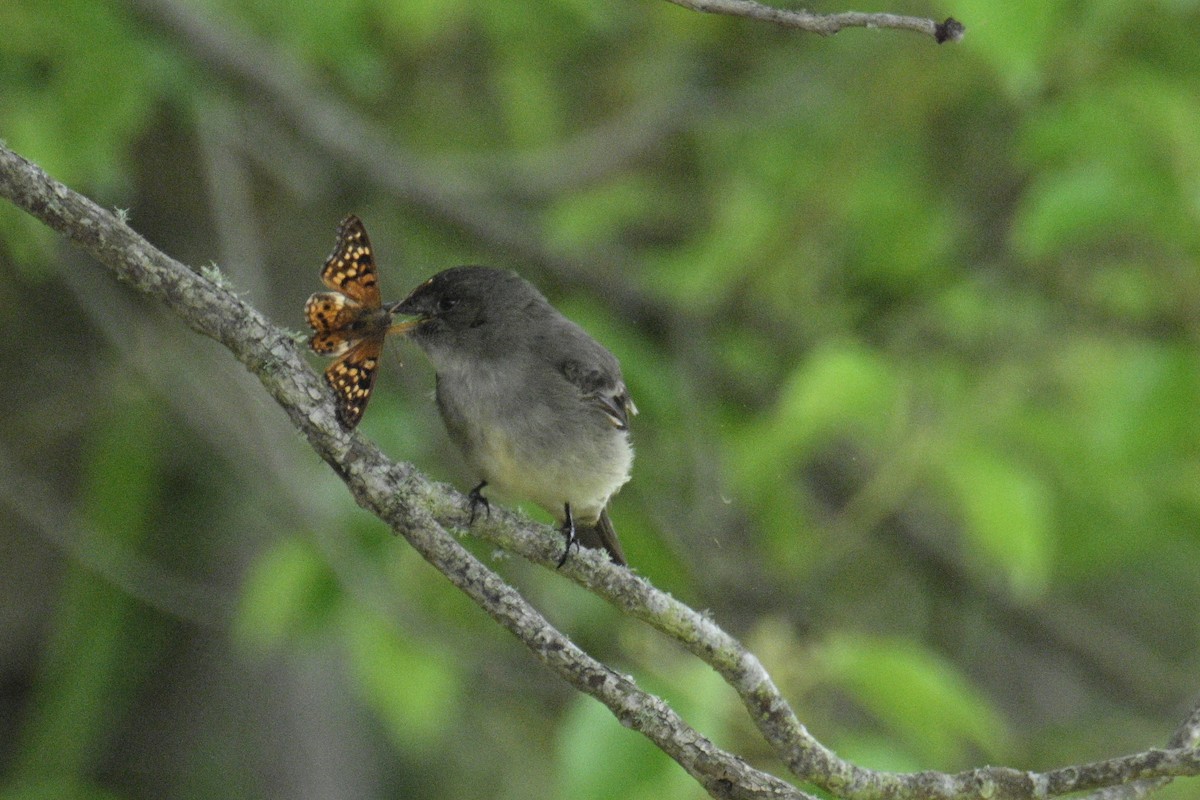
column 331, row 316
column 352, row 376
column 350, row 268
column 348, row 322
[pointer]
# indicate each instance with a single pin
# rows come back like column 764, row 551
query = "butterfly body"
column 340, row 322
column 350, row 322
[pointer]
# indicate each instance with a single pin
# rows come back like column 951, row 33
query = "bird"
column 538, row 408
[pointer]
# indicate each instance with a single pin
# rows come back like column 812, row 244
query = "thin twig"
column 951, row 30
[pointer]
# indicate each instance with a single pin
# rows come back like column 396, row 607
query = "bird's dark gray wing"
column 601, row 383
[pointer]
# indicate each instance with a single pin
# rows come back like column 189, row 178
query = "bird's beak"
column 409, row 307
column 404, row 327
column 403, row 307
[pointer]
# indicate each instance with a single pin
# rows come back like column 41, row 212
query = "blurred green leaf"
column 882, row 752
column 288, row 591
column 904, row 244
column 1007, row 515
column 839, row 390
column 1068, row 208
column 319, row 35
column 1016, row 39
column 530, row 99
column 1112, row 160
column 73, row 116
column 917, row 696
column 57, row 789
column 76, row 116
column 1132, row 433
column 584, row 219
column 743, row 224
column 98, row 647
column 601, row 760
column 417, row 24
column 415, row 690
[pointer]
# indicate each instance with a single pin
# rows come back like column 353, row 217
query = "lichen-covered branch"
column 951, row 30
column 422, row 511
column 1186, row 736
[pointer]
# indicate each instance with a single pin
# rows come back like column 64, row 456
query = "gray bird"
column 537, row 406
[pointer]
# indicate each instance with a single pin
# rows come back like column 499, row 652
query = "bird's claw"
column 477, row 499
column 568, row 532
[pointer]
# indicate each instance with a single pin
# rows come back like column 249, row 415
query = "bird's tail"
column 602, row 534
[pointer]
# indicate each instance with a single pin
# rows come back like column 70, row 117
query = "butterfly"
column 351, row 321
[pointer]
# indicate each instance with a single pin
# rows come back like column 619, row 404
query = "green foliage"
column 922, row 701
column 597, row 214
column 839, row 392
column 413, row 688
column 598, row 759
column 51, row 789
column 292, row 596
column 88, row 672
column 289, row 591
column 1096, row 180
column 1007, row 516
column 1019, row 40
column 75, row 116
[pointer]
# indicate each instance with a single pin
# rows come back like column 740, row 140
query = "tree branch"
column 828, row 24
column 1187, row 735
column 421, row 511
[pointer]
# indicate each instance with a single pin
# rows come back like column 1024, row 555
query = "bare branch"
column 828, row 24
column 1185, row 736
column 421, row 511
column 1188, row 733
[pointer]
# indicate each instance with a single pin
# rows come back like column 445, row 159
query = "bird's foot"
column 568, row 532
column 477, row 499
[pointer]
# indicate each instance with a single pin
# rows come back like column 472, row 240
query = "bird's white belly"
column 531, row 448
column 585, row 480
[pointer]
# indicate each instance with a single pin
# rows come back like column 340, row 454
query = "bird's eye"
column 446, row 303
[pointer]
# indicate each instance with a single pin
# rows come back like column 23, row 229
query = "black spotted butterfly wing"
column 349, row 322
